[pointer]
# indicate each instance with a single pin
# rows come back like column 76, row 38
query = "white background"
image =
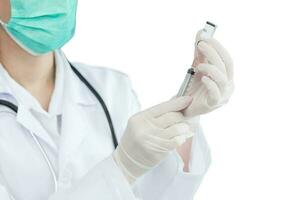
column 255, row 139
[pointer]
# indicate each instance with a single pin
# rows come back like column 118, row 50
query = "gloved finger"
column 176, row 130
column 168, row 119
column 212, row 55
column 172, row 105
column 214, row 73
column 214, row 94
column 225, row 56
column 162, row 144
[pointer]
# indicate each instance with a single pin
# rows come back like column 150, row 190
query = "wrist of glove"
column 150, row 136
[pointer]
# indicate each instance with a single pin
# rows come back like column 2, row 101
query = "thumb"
column 173, row 105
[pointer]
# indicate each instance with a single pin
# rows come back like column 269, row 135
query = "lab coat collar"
column 23, row 97
column 4, row 88
column 75, row 127
column 6, row 92
column 76, row 97
column 27, row 120
column 24, row 116
column 75, row 93
column 75, row 90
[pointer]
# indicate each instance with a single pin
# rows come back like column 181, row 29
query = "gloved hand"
column 150, row 135
column 212, row 84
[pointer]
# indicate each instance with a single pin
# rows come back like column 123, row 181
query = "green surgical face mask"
column 41, row 26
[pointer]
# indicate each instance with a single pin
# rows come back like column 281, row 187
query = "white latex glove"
column 212, row 84
column 150, row 135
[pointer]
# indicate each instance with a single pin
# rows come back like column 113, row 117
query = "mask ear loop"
column 2, row 23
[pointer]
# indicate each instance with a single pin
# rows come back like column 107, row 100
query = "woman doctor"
column 59, row 145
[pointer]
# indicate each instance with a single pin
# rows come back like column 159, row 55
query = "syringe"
column 207, row 32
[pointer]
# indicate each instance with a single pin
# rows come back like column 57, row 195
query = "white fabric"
column 85, row 165
column 150, row 136
column 212, row 85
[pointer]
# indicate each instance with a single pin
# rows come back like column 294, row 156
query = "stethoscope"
column 14, row 108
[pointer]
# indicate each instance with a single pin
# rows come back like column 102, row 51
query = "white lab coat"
column 86, row 169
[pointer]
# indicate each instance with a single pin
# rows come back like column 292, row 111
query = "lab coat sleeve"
column 178, row 184
column 168, row 180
